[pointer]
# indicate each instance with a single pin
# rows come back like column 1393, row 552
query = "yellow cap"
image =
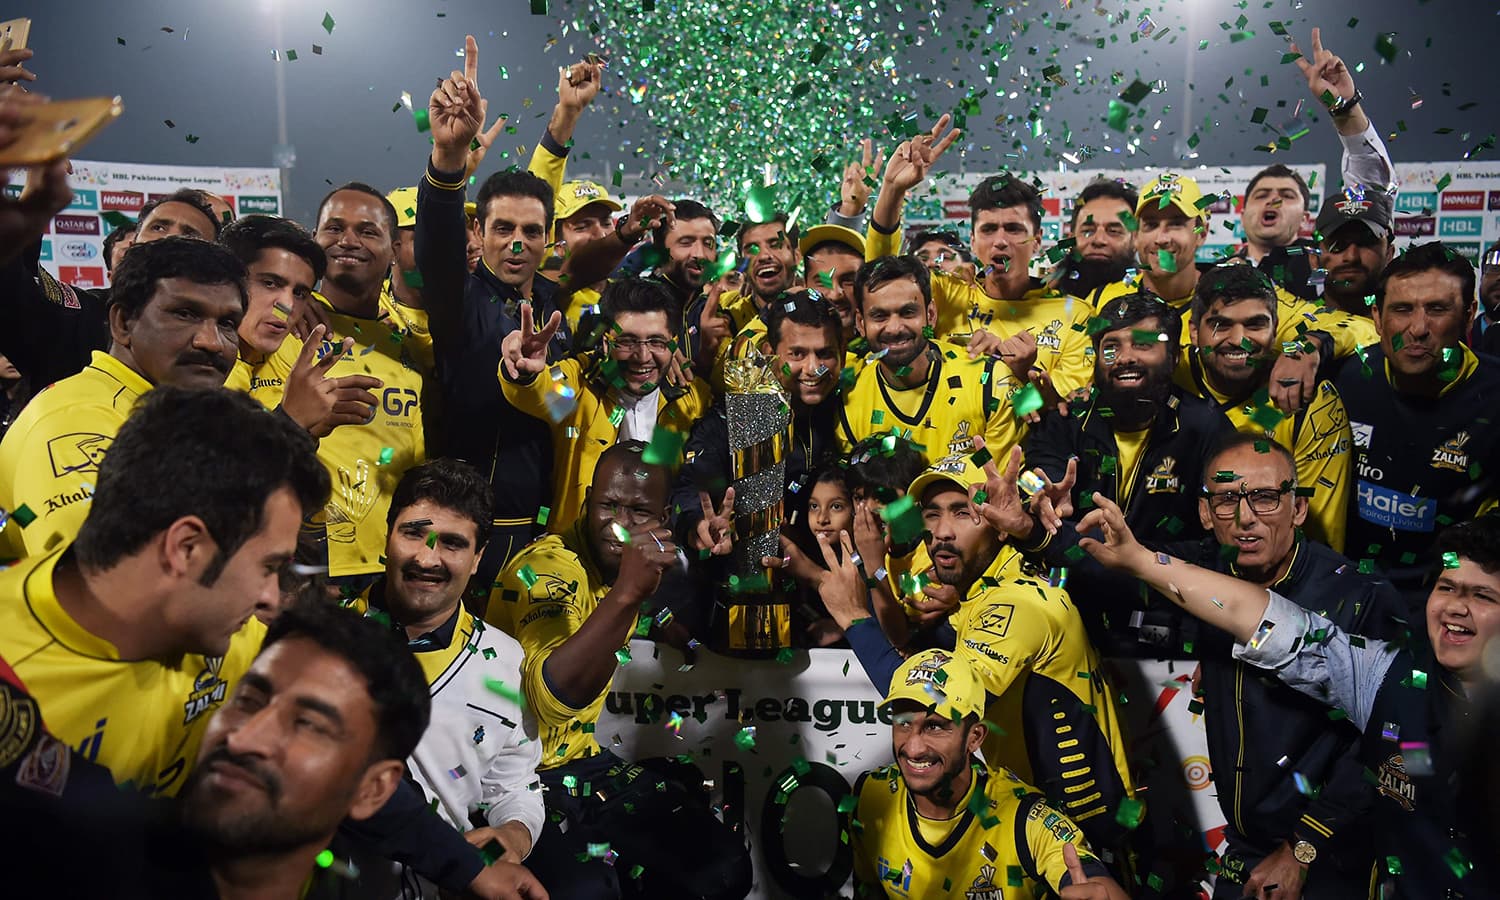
column 573, row 196
column 405, row 201
column 959, row 469
column 1182, row 191
column 940, row 681
column 819, row 234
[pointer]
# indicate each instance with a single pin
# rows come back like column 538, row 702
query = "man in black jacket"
column 1140, row 440
column 1421, row 406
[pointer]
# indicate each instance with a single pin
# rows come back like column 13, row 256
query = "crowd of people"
column 327, row 544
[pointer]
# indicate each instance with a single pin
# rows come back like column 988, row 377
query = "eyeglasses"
column 1263, row 501
column 631, row 344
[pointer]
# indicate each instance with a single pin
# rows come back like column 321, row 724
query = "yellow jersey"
column 49, row 459
column 365, row 462
column 1058, row 727
column 1058, row 321
column 1321, row 441
column 579, row 302
column 1005, row 841
column 542, row 598
column 1294, row 318
column 592, row 424
column 141, row 719
column 960, row 398
column 952, row 310
column 409, row 325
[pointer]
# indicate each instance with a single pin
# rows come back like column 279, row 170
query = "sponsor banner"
column 1445, row 201
column 105, row 191
column 1393, row 509
column 816, row 721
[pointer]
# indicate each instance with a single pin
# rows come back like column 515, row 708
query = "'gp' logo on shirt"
column 398, row 402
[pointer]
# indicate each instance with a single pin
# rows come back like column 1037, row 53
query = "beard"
column 1134, row 407
column 1084, row 276
column 264, row 830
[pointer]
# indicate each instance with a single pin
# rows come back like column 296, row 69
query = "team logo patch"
column 1450, row 454
column 996, row 619
column 922, row 672
column 1049, row 338
column 1396, row 784
column 1353, row 202
column 18, row 721
column 984, row 887
column 1169, row 183
column 77, row 453
column 208, row 691
column 962, row 443
column 1362, row 434
column 45, row 768
column 1163, row 480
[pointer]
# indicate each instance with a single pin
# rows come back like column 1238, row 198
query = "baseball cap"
column 958, row 468
column 940, row 681
column 819, row 234
column 405, row 201
column 575, row 195
column 1181, row 191
column 1369, row 206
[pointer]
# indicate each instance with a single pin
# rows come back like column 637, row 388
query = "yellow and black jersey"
column 409, row 326
column 1057, row 724
column 1321, row 442
column 365, row 462
column 1294, row 318
column 1004, row 841
column 960, row 399
column 1058, row 321
column 543, row 596
column 141, row 719
column 579, row 302
column 49, row 459
column 952, row 310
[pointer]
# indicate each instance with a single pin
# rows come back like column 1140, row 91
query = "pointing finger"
column 471, row 59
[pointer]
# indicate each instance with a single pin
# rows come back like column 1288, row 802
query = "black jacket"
column 1420, row 463
column 469, row 315
column 1291, row 267
column 49, row 330
column 1162, row 506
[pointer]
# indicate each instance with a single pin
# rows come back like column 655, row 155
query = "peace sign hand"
column 456, row 112
column 715, row 531
column 524, row 351
column 1001, row 508
column 854, row 190
column 320, row 403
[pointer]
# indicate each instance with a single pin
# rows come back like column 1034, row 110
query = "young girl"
column 830, row 509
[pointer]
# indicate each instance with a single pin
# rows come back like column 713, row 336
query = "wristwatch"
column 1304, row 852
column 1342, row 107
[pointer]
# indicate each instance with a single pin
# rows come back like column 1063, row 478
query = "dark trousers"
column 662, row 838
column 1327, row 879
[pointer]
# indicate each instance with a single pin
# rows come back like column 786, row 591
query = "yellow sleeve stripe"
column 443, row 185
column 1317, row 826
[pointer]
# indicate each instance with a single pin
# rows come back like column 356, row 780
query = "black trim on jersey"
column 1023, row 847
column 1200, row 381
column 934, row 377
column 981, row 780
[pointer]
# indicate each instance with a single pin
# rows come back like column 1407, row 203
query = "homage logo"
column 208, row 690
column 1450, row 454
column 1163, row 480
column 1461, row 200
column 122, row 201
column 1396, row 784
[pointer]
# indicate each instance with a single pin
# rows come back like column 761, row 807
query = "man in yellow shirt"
column 1233, row 325
column 177, row 305
column 940, row 821
column 591, row 401
column 935, row 397
column 1043, row 329
column 584, row 213
column 365, row 461
column 573, row 601
column 1173, row 224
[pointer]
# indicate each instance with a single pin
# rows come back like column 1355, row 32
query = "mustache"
column 249, row 764
column 202, row 358
column 412, row 570
column 944, row 548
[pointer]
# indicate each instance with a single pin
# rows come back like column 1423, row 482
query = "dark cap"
column 1368, row 206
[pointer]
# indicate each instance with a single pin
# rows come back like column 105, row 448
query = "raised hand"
column 578, row 84
column 715, row 531
column 481, row 145
column 648, row 552
column 843, row 587
column 854, row 190
column 319, row 403
column 456, row 112
column 1294, row 378
column 1002, row 508
column 646, row 214
column 1327, row 76
column 1119, row 549
column 524, row 351
column 914, row 158
column 1018, row 352
column 1082, row 887
column 13, row 66
column 1054, row 502
column 796, row 564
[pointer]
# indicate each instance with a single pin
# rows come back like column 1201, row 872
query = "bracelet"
column 1342, row 107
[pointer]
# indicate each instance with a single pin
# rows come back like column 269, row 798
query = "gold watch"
column 1304, row 852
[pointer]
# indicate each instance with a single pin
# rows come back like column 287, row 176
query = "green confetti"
column 496, row 686
column 1165, row 261
column 1027, row 401
column 386, row 455
column 665, row 448
column 1130, row 813
column 23, row 515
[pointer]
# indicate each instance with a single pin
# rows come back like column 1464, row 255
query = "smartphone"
column 13, row 34
column 54, row 130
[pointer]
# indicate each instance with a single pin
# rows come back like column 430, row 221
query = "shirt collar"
column 114, row 368
column 437, row 639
